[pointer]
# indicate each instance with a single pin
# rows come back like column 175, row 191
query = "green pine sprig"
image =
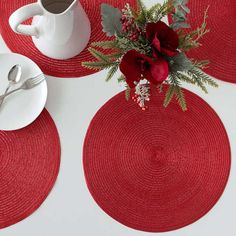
column 99, row 55
column 142, row 14
column 191, row 40
column 112, row 71
column 166, row 8
column 113, row 44
column 127, row 92
column 175, row 90
column 152, row 12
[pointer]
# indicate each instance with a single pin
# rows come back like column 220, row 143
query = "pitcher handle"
column 22, row 14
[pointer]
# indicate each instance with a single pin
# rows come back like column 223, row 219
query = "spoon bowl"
column 14, row 74
column 14, row 77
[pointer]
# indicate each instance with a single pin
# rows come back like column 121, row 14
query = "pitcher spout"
column 72, row 5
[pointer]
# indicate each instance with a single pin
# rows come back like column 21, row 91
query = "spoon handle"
column 7, row 94
column 2, row 100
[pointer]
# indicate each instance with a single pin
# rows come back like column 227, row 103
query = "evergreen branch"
column 166, row 8
column 127, row 92
column 191, row 40
column 180, row 98
column 142, row 46
column 201, row 31
column 185, row 78
column 169, row 95
column 201, row 64
column 200, row 84
column 105, row 44
column 115, row 56
column 142, row 16
column 176, row 91
column 203, row 77
column 129, row 11
column 121, row 79
column 112, row 71
column 152, row 11
column 160, row 88
column 173, row 80
column 198, row 80
column 99, row 55
column 97, row 65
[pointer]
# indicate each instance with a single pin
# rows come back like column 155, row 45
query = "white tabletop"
column 70, row 209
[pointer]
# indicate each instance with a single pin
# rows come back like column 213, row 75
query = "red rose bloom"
column 164, row 40
column 136, row 66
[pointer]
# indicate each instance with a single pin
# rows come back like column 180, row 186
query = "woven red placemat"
column 156, row 170
column 219, row 45
column 29, row 165
column 60, row 68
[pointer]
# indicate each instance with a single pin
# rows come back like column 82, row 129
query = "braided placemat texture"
column 219, row 45
column 29, row 165
column 59, row 68
column 156, row 170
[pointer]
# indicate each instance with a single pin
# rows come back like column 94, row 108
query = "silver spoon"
column 14, row 77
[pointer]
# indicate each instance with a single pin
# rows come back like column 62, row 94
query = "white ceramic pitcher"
column 60, row 28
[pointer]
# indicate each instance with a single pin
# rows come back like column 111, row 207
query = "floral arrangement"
column 149, row 52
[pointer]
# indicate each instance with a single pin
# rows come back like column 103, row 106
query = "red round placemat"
column 60, row 68
column 219, row 45
column 29, row 165
column 156, row 170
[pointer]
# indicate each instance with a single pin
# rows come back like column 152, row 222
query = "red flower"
column 136, row 66
column 163, row 39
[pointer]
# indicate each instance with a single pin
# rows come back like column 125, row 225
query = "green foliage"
column 191, row 40
column 99, row 55
column 175, row 91
column 201, row 79
column 112, row 71
column 201, row 64
column 105, row 44
column 127, row 92
column 180, row 63
column 142, row 14
column 115, row 56
column 111, row 20
column 179, row 16
column 166, row 8
column 192, row 76
column 154, row 14
column 103, row 61
column 180, row 98
column 169, row 95
column 121, row 79
column 185, row 78
column 97, row 65
column 151, row 13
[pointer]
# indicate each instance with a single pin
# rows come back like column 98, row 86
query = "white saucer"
column 22, row 108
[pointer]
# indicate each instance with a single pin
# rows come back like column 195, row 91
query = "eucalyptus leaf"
column 180, row 63
column 180, row 25
column 186, row 9
column 180, row 2
column 111, row 20
column 180, row 13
